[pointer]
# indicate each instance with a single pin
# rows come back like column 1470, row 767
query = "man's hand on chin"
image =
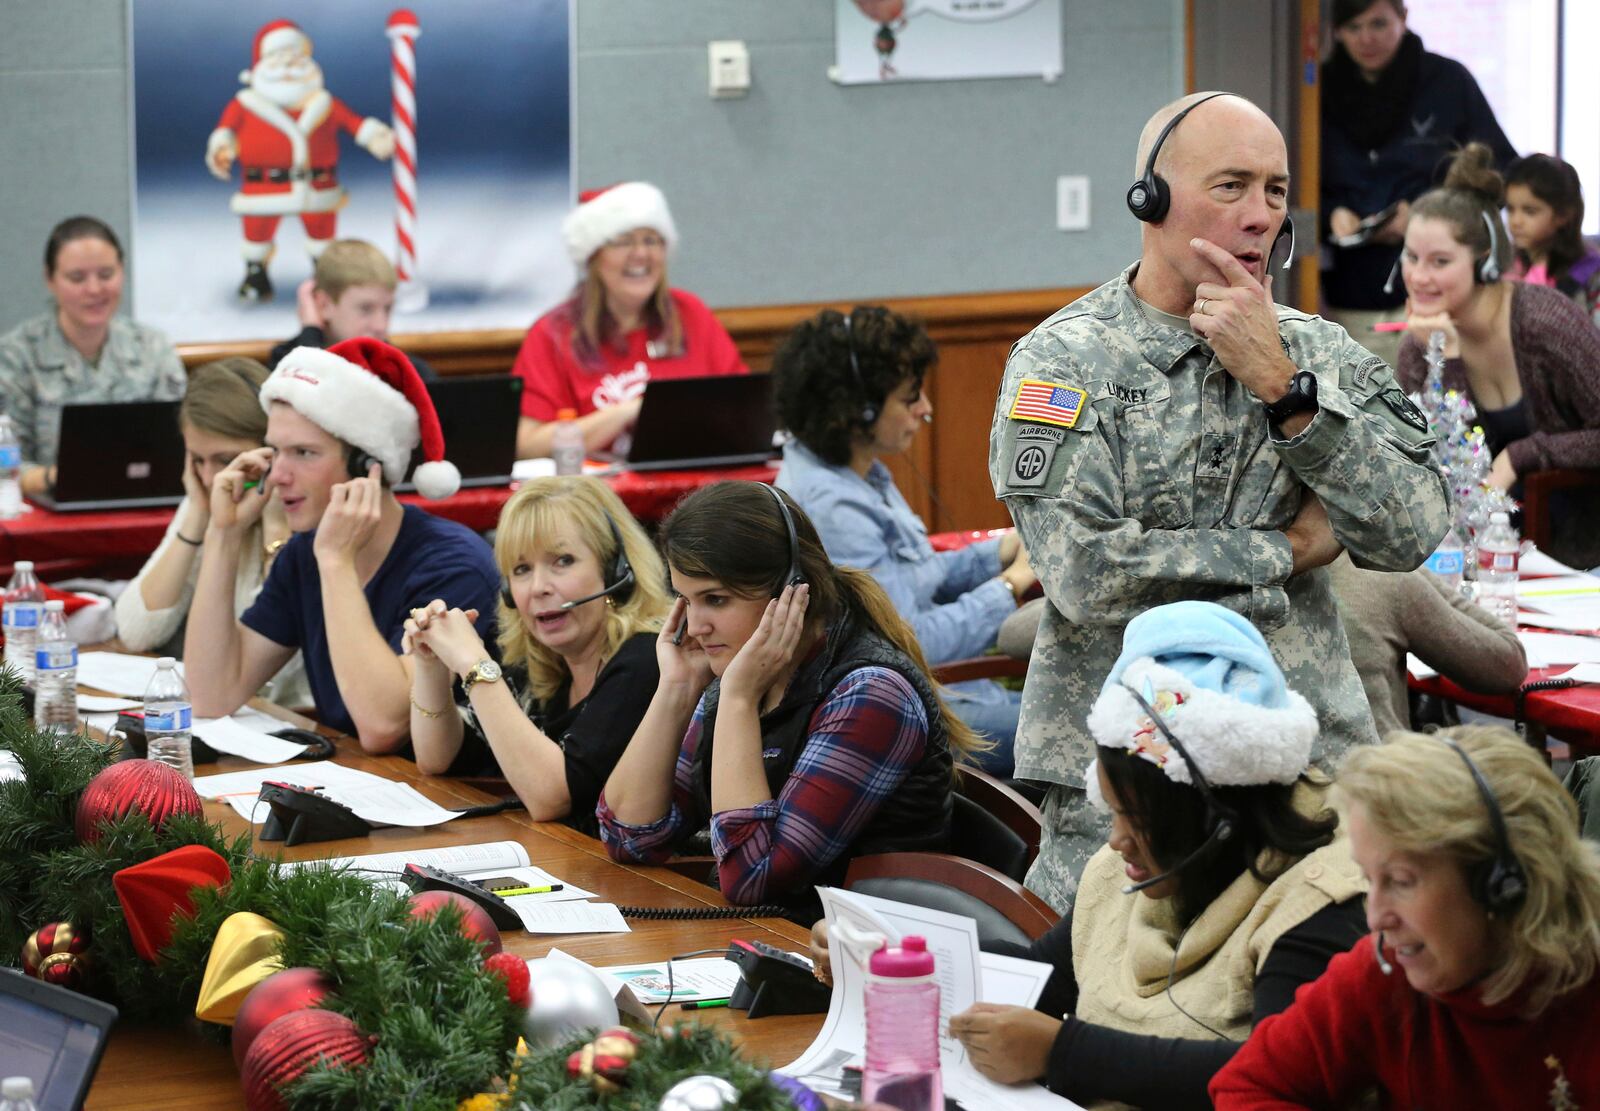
column 1240, row 322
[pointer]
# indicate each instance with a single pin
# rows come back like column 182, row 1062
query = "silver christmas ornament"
column 567, row 998
column 700, row 1093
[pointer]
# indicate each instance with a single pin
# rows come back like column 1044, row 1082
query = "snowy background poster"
column 493, row 159
column 884, row 41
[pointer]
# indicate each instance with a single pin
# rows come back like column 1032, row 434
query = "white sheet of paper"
column 1014, row 980
column 486, row 858
column 1419, row 669
column 1572, row 623
column 1535, row 562
column 1582, row 673
column 105, row 703
column 230, row 735
column 372, row 797
column 568, row 918
column 117, row 672
column 1554, row 649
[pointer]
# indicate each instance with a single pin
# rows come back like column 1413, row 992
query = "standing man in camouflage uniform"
column 1132, row 444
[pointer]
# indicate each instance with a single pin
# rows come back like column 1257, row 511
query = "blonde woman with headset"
column 583, row 596
column 1481, row 981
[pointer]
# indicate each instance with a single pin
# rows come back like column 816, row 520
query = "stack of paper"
column 117, row 672
column 1573, row 598
column 1555, row 649
column 372, row 797
column 965, row 977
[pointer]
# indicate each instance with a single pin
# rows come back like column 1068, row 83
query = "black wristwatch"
column 1301, row 398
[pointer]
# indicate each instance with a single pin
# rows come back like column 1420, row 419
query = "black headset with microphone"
column 1221, row 820
column 619, row 578
column 1499, row 884
column 793, row 576
column 1150, row 197
column 1485, row 271
column 869, row 410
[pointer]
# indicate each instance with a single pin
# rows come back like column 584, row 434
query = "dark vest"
column 915, row 817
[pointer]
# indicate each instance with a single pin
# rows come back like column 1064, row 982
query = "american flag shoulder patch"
column 1049, row 402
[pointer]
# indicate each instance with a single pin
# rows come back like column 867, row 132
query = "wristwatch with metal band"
column 484, row 671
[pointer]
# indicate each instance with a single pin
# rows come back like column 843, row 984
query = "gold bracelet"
column 423, row 710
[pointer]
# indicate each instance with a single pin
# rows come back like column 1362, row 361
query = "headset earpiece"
column 358, row 463
column 1149, row 197
column 1499, row 884
column 869, row 411
column 506, row 596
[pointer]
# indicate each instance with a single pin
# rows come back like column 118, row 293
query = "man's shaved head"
column 1163, row 116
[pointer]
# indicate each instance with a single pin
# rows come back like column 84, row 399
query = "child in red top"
column 622, row 326
column 1482, row 984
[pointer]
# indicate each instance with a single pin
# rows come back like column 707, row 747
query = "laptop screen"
column 55, row 1048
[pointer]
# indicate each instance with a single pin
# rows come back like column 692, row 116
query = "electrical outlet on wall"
column 730, row 67
column 1072, row 203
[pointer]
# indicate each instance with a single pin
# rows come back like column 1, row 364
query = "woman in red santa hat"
column 622, row 326
column 284, row 131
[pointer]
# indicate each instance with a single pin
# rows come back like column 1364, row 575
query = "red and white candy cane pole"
column 402, row 29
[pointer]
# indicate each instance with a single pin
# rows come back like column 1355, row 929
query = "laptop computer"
column 478, row 416
column 718, row 421
column 52, row 1036
column 117, row 455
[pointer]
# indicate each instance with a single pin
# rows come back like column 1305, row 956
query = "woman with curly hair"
column 849, row 389
column 1481, row 982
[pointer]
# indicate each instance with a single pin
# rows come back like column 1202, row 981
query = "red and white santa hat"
column 603, row 214
column 280, row 34
column 368, row 394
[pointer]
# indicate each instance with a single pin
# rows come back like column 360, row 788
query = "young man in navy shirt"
column 341, row 428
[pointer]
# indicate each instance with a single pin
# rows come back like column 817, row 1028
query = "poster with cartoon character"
column 437, row 130
column 885, row 41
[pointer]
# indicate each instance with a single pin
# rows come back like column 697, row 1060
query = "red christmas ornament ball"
column 143, row 787
column 475, row 921
column 293, row 989
column 514, row 971
column 57, row 954
column 292, row 1043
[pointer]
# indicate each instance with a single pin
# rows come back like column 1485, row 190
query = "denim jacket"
column 952, row 599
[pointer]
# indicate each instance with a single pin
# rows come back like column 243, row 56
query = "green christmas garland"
column 445, row 1028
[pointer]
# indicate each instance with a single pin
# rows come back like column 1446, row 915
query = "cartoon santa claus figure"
column 283, row 130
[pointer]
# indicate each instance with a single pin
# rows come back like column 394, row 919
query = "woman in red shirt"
column 622, row 326
column 1482, row 983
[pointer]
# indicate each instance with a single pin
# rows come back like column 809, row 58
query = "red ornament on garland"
column 292, row 1043
column 604, row 1062
column 514, row 971
column 475, row 921
column 57, row 954
column 134, row 787
column 293, row 989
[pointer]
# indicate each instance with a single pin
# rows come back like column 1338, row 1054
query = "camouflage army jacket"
column 40, row 371
column 1140, row 472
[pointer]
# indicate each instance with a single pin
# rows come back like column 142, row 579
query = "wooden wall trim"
column 961, row 318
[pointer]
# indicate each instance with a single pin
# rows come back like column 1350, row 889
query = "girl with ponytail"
column 1527, row 357
column 794, row 713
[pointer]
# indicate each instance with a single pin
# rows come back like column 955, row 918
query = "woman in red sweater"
column 1481, row 985
column 622, row 326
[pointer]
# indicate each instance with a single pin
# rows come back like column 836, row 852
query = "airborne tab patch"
column 1047, row 402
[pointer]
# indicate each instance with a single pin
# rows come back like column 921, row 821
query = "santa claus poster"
column 437, row 130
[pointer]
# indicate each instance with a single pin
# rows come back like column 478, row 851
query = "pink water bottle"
column 902, row 998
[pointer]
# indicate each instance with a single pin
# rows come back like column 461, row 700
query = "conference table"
column 115, row 543
column 159, row 1068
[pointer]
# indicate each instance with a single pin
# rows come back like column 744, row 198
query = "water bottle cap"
column 54, row 605
column 16, row 1087
column 1500, row 518
column 910, row 960
column 566, row 414
column 23, row 565
column 167, row 661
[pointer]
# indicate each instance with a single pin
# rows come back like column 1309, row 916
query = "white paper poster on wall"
column 879, row 42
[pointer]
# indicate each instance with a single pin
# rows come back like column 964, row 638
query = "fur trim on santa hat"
column 1236, row 743
column 279, row 34
column 347, row 398
column 608, row 213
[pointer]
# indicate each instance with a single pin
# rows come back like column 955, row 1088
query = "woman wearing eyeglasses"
column 1481, row 984
column 622, row 326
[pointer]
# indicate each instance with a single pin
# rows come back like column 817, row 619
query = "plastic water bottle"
column 1497, row 568
column 16, row 1094
column 566, row 444
column 10, row 471
column 1449, row 560
column 24, row 605
column 167, row 717
column 902, row 1003
column 55, row 672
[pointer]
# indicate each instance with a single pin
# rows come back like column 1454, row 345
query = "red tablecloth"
column 63, row 544
column 1572, row 714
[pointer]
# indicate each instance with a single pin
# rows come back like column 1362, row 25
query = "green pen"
column 703, row 1004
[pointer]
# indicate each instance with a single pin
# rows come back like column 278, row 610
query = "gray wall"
column 804, row 190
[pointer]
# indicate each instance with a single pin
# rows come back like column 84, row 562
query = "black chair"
column 1005, row 801
column 1003, row 909
column 978, row 835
